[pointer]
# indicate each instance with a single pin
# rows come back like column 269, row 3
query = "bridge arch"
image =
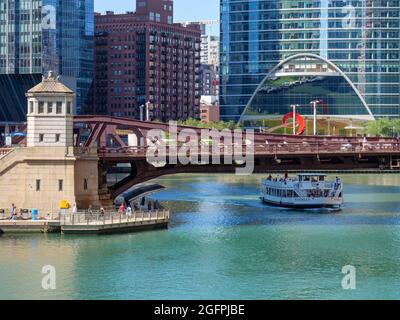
column 331, row 70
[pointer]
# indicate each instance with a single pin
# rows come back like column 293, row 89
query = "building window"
column 31, row 107
column 59, row 108
column 58, row 137
column 49, row 107
column 60, row 185
column 37, row 185
column 68, row 107
column 41, row 107
column 41, row 137
column 85, row 184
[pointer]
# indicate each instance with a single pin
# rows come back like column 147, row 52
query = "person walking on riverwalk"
column 129, row 211
column 90, row 210
column 74, row 210
column 121, row 209
column 13, row 211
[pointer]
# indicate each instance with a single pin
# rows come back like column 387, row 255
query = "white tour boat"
column 306, row 191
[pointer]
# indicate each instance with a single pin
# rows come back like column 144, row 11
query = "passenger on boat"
column 338, row 183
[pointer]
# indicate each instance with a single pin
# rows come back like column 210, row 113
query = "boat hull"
column 320, row 205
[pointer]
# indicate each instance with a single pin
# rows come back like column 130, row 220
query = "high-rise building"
column 209, row 49
column 38, row 36
column 208, row 80
column 277, row 53
column 143, row 57
column 209, row 58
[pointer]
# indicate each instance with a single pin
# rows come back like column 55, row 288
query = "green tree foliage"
column 383, row 127
column 231, row 125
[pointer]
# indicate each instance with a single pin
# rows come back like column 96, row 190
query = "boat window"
column 306, row 178
column 321, row 178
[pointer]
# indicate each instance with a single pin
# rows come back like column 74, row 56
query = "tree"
column 383, row 127
column 231, row 125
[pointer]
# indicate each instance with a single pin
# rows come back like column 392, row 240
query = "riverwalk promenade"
column 91, row 224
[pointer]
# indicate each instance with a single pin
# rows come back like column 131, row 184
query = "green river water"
column 223, row 244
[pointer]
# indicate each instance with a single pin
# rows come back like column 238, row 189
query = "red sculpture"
column 301, row 127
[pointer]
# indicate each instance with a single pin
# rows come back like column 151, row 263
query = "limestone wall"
column 49, row 127
column 40, row 177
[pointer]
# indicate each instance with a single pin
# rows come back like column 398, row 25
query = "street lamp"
column 141, row 112
column 314, row 105
column 148, row 111
column 147, row 105
column 294, row 106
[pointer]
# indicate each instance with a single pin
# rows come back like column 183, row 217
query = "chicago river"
column 223, row 244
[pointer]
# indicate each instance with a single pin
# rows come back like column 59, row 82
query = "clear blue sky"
column 185, row 10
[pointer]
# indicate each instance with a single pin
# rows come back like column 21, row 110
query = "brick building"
column 144, row 57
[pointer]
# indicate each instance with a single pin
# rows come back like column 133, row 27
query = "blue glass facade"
column 360, row 38
column 41, row 35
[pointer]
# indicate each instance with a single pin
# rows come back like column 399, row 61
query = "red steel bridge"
column 271, row 152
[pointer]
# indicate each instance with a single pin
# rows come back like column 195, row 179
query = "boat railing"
column 298, row 188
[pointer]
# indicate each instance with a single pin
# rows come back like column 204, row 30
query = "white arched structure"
column 311, row 56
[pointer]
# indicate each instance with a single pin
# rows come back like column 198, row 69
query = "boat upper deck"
column 302, row 181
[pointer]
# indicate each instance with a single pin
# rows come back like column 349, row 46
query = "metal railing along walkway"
column 112, row 218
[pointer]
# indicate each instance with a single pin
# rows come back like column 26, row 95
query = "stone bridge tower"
column 50, row 120
column 50, row 168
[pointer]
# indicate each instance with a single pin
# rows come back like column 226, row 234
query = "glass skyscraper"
column 276, row 53
column 41, row 35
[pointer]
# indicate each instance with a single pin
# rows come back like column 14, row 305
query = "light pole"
column 141, row 112
column 148, row 111
column 314, row 105
column 294, row 106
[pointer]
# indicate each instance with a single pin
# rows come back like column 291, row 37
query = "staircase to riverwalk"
column 9, row 158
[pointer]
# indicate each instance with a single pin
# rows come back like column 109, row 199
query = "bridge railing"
column 262, row 148
column 110, row 218
column 319, row 148
column 5, row 151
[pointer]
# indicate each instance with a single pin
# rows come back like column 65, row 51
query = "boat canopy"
column 312, row 174
column 312, row 177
